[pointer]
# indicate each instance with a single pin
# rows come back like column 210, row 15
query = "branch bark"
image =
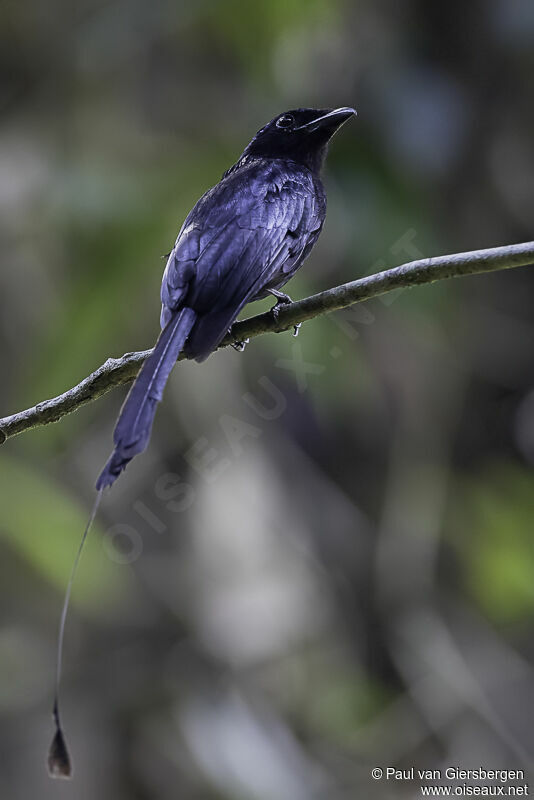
column 117, row 371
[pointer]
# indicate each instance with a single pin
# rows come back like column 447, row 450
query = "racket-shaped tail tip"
column 59, row 763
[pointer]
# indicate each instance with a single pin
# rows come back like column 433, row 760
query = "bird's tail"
column 133, row 427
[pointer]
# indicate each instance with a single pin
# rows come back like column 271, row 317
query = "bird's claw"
column 283, row 300
column 275, row 310
column 240, row 346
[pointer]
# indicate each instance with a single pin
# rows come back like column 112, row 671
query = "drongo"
column 243, row 240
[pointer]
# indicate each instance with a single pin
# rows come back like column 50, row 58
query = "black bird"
column 243, row 240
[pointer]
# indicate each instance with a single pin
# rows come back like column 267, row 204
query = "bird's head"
column 301, row 135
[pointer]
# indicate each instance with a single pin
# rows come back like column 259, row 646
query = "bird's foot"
column 238, row 345
column 282, row 300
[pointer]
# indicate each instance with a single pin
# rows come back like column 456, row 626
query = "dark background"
column 349, row 582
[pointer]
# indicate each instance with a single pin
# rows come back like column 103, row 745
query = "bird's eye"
column 285, row 121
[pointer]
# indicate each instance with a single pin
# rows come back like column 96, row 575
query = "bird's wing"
column 236, row 240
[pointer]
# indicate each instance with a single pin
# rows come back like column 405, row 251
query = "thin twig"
column 116, row 371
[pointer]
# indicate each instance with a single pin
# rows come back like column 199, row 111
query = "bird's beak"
column 334, row 119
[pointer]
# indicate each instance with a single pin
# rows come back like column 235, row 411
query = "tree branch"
column 116, row 371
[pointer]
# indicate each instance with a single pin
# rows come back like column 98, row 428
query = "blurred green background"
column 312, row 571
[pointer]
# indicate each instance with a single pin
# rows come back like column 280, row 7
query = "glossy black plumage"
column 244, row 237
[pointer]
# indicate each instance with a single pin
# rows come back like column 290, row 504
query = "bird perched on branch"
column 243, row 240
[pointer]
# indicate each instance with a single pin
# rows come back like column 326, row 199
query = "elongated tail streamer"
column 59, row 762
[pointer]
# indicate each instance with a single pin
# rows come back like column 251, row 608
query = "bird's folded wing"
column 238, row 236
